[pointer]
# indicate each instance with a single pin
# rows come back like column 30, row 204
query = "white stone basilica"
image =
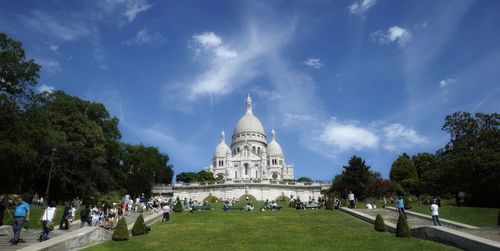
column 250, row 156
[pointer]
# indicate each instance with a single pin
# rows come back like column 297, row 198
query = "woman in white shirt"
column 47, row 220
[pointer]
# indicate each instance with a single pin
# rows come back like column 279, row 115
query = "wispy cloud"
column 46, row 88
column 49, row 66
column 361, row 6
column 314, row 63
column 210, row 42
column 64, row 29
column 265, row 94
column 446, row 82
column 146, row 37
column 54, row 48
column 393, row 34
column 129, row 9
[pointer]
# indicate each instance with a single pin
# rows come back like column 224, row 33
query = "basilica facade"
column 250, row 156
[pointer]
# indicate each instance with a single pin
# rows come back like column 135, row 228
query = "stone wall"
column 228, row 190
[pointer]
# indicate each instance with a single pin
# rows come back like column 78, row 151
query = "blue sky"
column 371, row 78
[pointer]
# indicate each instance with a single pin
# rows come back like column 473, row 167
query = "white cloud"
column 397, row 136
column 210, row 42
column 346, row 136
column 393, row 34
column 445, row 82
column 361, row 6
column 54, row 48
column 313, row 62
column 145, row 37
column 46, row 88
column 49, row 66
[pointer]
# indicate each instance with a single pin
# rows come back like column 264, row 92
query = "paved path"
column 491, row 233
column 30, row 236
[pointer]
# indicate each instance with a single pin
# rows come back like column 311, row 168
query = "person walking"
column 47, row 220
column 435, row 213
column 85, row 216
column 21, row 214
column 350, row 198
column 400, row 204
column 64, row 219
column 166, row 213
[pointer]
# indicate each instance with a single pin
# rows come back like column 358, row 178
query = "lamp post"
column 46, row 200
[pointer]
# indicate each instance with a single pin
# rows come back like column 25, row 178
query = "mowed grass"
column 36, row 214
column 475, row 216
column 288, row 229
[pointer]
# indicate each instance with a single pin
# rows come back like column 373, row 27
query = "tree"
column 404, row 172
column 356, row 177
column 190, row 177
column 304, row 179
column 16, row 72
column 470, row 161
column 427, row 165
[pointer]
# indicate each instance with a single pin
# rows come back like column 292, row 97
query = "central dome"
column 249, row 123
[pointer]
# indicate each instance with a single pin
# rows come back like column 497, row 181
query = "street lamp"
column 46, row 200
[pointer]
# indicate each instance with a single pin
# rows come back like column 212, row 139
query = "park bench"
column 200, row 208
column 312, row 206
column 236, row 208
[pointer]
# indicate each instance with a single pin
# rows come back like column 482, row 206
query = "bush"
column 121, row 231
column 283, row 198
column 402, row 229
column 408, row 202
column 250, row 197
column 178, row 206
column 379, row 223
column 330, row 204
column 210, row 199
column 139, row 226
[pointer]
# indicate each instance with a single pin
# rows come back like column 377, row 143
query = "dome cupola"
column 273, row 148
column 222, row 149
column 249, row 123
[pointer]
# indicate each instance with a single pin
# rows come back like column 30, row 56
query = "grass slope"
column 288, row 229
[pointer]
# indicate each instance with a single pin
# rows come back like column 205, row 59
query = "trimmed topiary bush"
column 250, row 197
column 330, row 204
column 402, row 229
column 379, row 223
column 139, row 226
column 210, row 199
column 178, row 206
column 121, row 231
column 283, row 199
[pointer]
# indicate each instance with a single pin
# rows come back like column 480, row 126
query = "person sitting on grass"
column 248, row 207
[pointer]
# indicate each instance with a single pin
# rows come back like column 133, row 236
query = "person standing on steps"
column 400, row 204
column 350, row 198
column 435, row 213
column 21, row 214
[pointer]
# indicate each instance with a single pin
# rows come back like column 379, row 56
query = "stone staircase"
column 30, row 236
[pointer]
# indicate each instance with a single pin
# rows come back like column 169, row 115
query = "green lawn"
column 288, row 229
column 36, row 214
column 476, row 216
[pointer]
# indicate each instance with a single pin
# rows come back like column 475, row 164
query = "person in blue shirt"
column 21, row 213
column 400, row 204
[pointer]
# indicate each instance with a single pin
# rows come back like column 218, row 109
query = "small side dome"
column 222, row 149
column 273, row 148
